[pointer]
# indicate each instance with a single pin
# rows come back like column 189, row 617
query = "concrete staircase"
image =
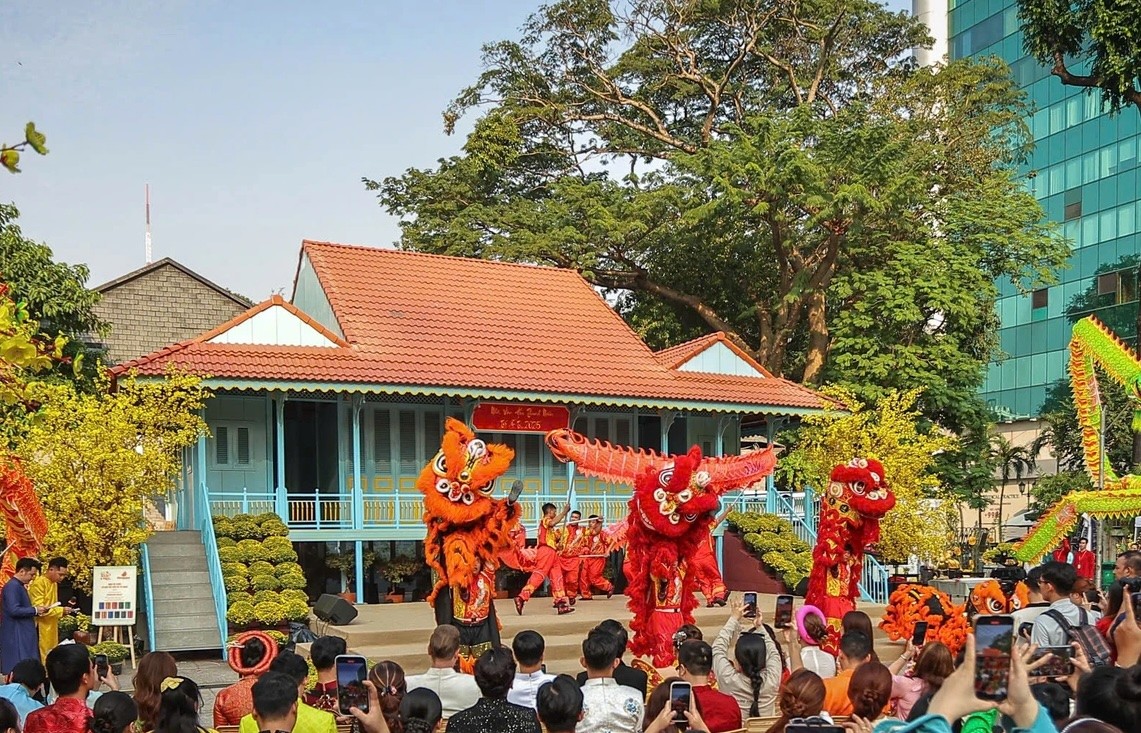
column 184, row 617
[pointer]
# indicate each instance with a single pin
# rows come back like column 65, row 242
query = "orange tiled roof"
column 674, row 356
column 446, row 324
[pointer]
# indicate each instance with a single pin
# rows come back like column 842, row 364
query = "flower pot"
column 349, row 596
column 394, row 598
column 116, row 668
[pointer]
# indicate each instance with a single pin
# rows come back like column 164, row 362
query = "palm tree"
column 1014, row 462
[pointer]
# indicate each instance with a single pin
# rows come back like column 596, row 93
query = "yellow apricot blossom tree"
column 96, row 458
column 890, row 432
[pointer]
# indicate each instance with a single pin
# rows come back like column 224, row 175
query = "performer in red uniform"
column 704, row 566
column 547, row 565
column 596, row 548
column 1085, row 562
column 570, row 555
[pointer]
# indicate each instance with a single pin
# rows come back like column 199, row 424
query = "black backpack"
column 1097, row 651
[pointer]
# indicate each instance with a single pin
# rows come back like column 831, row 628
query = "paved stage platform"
column 400, row 631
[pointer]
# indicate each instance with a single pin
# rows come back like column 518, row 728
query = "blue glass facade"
column 1086, row 176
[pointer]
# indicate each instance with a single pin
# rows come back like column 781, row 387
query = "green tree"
column 34, row 140
column 772, row 170
column 1094, row 44
column 967, row 470
column 1049, row 490
column 1014, row 462
column 1062, row 433
column 55, row 295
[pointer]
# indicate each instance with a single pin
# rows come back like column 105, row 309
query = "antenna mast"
column 148, row 239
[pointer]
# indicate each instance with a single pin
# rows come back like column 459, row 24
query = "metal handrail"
column 148, row 595
column 213, row 562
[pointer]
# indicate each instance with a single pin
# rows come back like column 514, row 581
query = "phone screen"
column 1060, row 666
column 994, row 638
column 351, row 692
column 679, row 700
column 783, row 616
column 750, row 605
column 919, row 636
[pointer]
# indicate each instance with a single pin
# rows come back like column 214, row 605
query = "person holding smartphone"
column 747, row 663
column 695, row 662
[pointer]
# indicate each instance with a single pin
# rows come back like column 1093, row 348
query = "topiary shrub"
column 267, row 596
column 293, row 581
column 244, row 528
column 251, row 551
column 279, row 550
column 268, row 613
column 263, row 517
column 234, row 568
column 241, row 614
column 229, row 554
column 265, row 582
column 226, row 542
column 295, row 610
column 236, row 583
column 261, row 567
column 773, row 540
column 288, row 568
column 293, row 594
column 275, row 528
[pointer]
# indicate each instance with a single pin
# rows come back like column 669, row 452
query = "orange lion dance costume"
column 669, row 516
column 850, row 512
column 469, row 532
column 23, row 516
column 908, row 604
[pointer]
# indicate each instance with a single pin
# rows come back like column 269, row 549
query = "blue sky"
column 252, row 121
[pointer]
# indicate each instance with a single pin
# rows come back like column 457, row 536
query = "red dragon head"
column 857, row 491
column 669, row 500
column 458, row 482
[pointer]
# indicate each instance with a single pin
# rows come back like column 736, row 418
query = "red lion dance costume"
column 670, row 513
column 469, row 532
column 850, row 510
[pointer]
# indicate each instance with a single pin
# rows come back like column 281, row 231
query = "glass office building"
column 1085, row 173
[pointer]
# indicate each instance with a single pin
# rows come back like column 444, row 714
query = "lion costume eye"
column 443, row 485
column 440, row 465
column 858, row 487
column 666, row 476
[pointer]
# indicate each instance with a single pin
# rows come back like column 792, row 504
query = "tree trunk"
column 1001, row 500
column 817, row 338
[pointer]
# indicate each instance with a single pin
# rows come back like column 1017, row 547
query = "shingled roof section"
column 416, row 320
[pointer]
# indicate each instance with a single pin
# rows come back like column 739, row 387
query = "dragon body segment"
column 1091, row 345
column 669, row 515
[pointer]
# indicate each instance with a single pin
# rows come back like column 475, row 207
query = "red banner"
column 509, row 417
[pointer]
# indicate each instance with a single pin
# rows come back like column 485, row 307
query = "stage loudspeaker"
column 334, row 610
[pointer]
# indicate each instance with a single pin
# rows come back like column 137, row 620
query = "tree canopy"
column 775, row 170
column 55, row 295
column 1091, row 43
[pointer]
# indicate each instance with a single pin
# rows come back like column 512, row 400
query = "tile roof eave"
column 270, row 385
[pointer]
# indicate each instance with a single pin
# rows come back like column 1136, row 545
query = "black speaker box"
column 334, row 609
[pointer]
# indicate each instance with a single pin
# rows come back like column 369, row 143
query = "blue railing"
column 397, row 510
column 148, row 595
column 213, row 562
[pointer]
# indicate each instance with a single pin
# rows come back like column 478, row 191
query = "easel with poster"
column 114, row 603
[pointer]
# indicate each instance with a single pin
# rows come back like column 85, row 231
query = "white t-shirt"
column 815, row 659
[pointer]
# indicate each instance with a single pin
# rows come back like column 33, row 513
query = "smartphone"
column 919, row 636
column 1061, row 665
column 782, row 619
column 994, row 639
column 102, row 666
column 352, row 671
column 679, row 701
column 749, row 602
